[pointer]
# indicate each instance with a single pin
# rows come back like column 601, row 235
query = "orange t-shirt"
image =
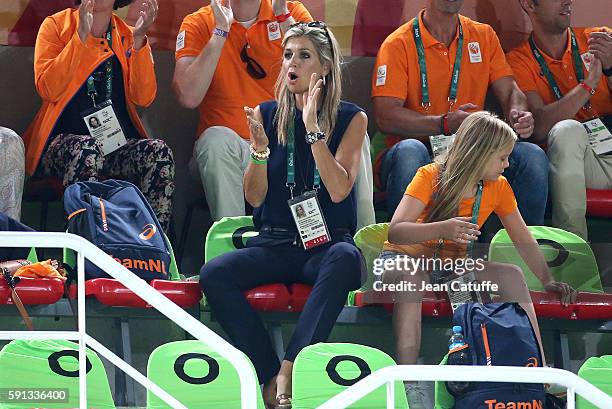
column 497, row 196
column 527, row 73
column 232, row 87
column 397, row 72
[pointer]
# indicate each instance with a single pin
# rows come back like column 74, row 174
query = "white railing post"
column 571, row 398
column 390, row 395
column 82, row 330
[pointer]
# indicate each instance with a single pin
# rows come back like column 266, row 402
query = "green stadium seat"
column 44, row 364
column 323, row 370
column 598, row 372
column 370, row 241
column 444, row 400
column 569, row 258
column 195, row 375
column 227, row 234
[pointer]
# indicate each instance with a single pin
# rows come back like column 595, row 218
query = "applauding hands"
column 146, row 17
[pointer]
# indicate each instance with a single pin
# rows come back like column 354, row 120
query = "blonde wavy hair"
column 479, row 138
column 328, row 50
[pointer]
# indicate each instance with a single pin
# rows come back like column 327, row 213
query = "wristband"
column 281, row 18
column 258, row 161
column 607, row 72
column 220, row 33
column 445, row 130
column 587, row 88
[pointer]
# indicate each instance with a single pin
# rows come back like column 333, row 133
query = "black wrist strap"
column 607, row 72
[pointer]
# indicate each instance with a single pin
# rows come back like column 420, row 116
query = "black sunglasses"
column 254, row 69
column 317, row 24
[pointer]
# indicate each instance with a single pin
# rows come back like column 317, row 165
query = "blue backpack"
column 115, row 216
column 499, row 334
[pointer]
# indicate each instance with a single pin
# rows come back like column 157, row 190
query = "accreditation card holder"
column 309, row 220
column 599, row 135
column 103, row 125
column 440, row 144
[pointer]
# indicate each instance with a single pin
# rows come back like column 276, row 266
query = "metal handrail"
column 83, row 248
column 388, row 375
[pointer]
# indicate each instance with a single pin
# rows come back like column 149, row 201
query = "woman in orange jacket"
column 91, row 70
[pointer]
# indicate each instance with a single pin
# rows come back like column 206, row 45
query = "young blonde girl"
column 434, row 219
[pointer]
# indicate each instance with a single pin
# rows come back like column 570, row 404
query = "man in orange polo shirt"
column 229, row 57
column 418, row 97
column 566, row 74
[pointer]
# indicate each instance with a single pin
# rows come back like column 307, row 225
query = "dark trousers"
column 8, row 224
column 332, row 271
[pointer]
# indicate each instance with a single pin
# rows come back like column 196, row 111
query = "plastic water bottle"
column 461, row 357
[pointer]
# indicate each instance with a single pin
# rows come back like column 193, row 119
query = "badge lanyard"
column 546, row 71
column 475, row 211
column 291, row 163
column 452, row 94
column 108, row 70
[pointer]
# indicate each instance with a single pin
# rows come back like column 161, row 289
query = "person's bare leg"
column 407, row 329
column 283, row 383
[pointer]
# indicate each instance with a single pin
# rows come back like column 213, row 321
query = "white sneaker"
column 418, row 395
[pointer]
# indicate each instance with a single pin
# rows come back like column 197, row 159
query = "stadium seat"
column 230, row 233
column 588, row 306
column 569, row 258
column 599, row 203
column 33, row 291
column 323, row 370
column 45, row 364
column 597, row 371
column 195, row 375
column 111, row 292
column 443, row 399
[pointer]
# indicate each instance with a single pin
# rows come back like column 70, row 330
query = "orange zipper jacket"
column 62, row 63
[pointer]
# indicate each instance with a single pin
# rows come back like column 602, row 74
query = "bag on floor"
column 499, row 334
column 115, row 216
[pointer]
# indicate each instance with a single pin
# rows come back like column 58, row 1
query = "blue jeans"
column 527, row 174
column 399, row 165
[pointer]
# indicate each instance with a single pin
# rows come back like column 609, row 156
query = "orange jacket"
column 62, row 63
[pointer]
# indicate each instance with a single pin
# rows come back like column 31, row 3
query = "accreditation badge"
column 309, row 220
column 599, row 135
column 103, row 125
column 440, row 144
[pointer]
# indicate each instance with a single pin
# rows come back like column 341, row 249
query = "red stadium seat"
column 270, row 297
column 33, row 291
column 111, row 292
column 588, row 306
column 599, row 203
column 278, row 297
